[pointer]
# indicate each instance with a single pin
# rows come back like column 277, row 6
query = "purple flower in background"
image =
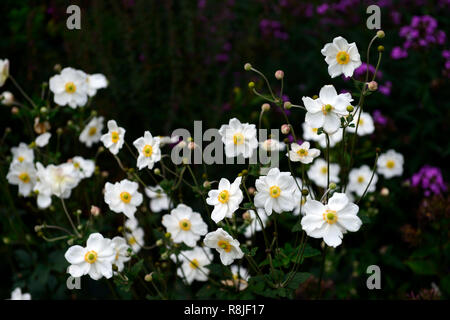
column 379, row 118
column 430, row 180
column 385, row 88
column 398, row 53
column 272, row 28
column 322, row 8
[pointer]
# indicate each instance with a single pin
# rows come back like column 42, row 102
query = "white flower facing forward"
column 342, row 57
column 24, row 175
column 272, row 145
column 238, row 138
column 123, row 197
column 225, row 199
column 18, row 295
column 4, row 71
column 22, row 153
column 274, row 192
column 92, row 133
column 194, row 264
column 326, row 111
column 159, row 200
column 43, row 139
column 365, row 126
column 121, row 254
column 148, row 149
column 95, row 82
column 84, row 167
column 255, row 225
column 390, row 164
column 310, row 133
column 69, row 88
column 332, row 220
column 184, row 225
column 227, row 247
column 319, row 170
column 302, row 153
column 114, row 138
column 359, row 180
column 95, row 259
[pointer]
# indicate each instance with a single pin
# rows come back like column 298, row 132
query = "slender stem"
column 328, row 163
column 371, row 178
column 265, row 79
column 27, row 97
column 69, row 218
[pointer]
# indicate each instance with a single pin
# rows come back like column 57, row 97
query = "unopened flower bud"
column 372, row 85
column 6, row 240
column 93, row 113
column 164, row 256
column 57, row 67
column 287, row 105
column 246, row 216
column 251, row 191
column 265, row 107
column 37, row 228
column 384, row 192
column 95, row 211
column 350, row 108
column 279, row 74
column 206, row 184
column 332, row 186
column 305, row 192
column 167, row 235
column 380, row 48
column 148, row 277
column 14, row 110
column 285, row 129
column 157, row 171
column 251, row 84
column 380, row 34
column 43, row 110
column 7, row 98
column 159, row 242
column 115, row 268
column 247, row 67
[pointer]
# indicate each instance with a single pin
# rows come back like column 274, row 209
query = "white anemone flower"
column 18, row 295
column 390, row 164
column 92, row 132
column 318, row 173
column 326, row 111
column 135, row 239
column 159, row 200
column 24, row 175
column 365, row 126
column 84, row 167
column 272, row 145
column 228, row 248
column 332, row 220
column 342, row 57
column 131, row 224
column 22, row 153
column 123, row 197
column 148, row 149
column 184, row 225
column 4, row 71
column 121, row 254
column 95, row 259
column 114, row 138
column 7, row 98
column 225, row 199
column 69, row 88
column 274, row 191
column 255, row 225
column 359, row 180
column 194, row 264
column 94, row 82
column 43, row 139
column 302, row 153
column 310, row 134
column 238, row 138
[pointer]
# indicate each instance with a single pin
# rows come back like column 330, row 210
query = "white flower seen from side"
column 94, row 82
column 18, row 295
column 43, row 139
column 159, row 200
column 225, row 199
column 4, row 71
column 254, row 224
column 92, row 132
column 228, row 248
column 84, row 167
column 121, row 254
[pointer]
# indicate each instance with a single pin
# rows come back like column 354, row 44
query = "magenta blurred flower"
column 430, row 180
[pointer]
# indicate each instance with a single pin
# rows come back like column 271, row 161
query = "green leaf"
column 298, row 279
column 423, row 267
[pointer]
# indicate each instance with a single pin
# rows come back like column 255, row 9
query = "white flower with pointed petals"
column 22, row 174
column 43, row 187
column 4, row 71
column 194, row 264
column 131, row 224
column 92, row 133
column 326, row 111
column 310, row 133
column 365, row 126
column 114, row 138
column 22, row 153
column 255, row 225
column 84, row 167
column 121, row 254
column 159, row 199
column 238, row 138
column 43, row 139
column 302, row 153
column 148, row 149
column 95, row 259
column 69, row 88
column 123, row 197
column 18, row 295
column 332, row 220
column 228, row 248
column 274, row 191
column 95, row 82
column 342, row 57
column 225, row 199
column 390, row 164
column 184, row 225
column 318, row 173
column 359, row 180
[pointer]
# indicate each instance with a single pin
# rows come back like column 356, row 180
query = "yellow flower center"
column 275, row 191
column 390, row 164
column 24, row 177
column 147, row 150
column 185, row 224
column 90, row 256
column 324, row 170
column 92, row 131
column 76, row 165
column 238, row 139
column 326, row 108
column 125, row 197
column 70, row 87
column 302, row 152
column 132, row 240
column 194, row 264
column 361, row 122
column 330, row 216
column 223, row 196
column 114, row 136
column 235, row 276
column 20, row 158
column 342, row 57
column 360, row 179
column 225, row 245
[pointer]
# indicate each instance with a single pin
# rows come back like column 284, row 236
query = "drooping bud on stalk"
column 380, row 48
column 251, row 84
column 380, row 34
column 332, row 186
column 247, row 66
column 287, row 105
column 95, row 211
column 350, row 108
column 372, row 85
column 265, row 107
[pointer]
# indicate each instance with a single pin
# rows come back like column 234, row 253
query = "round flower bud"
column 120, row 229
column 164, row 256
column 279, row 74
column 332, row 186
column 8, row 129
column 305, row 192
column 157, row 171
column 148, row 277
column 265, row 107
column 350, row 108
column 287, row 105
column 251, row 190
column 380, row 48
column 251, row 84
column 246, row 216
column 244, row 172
column 378, row 150
column 206, row 184
column 14, row 110
column 43, row 110
column 167, row 235
column 7, row 98
column 384, row 192
column 380, row 34
column 115, row 268
column 93, row 113
column 6, row 240
column 159, row 242
column 95, row 211
column 57, row 67
column 37, row 228
column 372, row 85
column 247, row 66
column 285, row 129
